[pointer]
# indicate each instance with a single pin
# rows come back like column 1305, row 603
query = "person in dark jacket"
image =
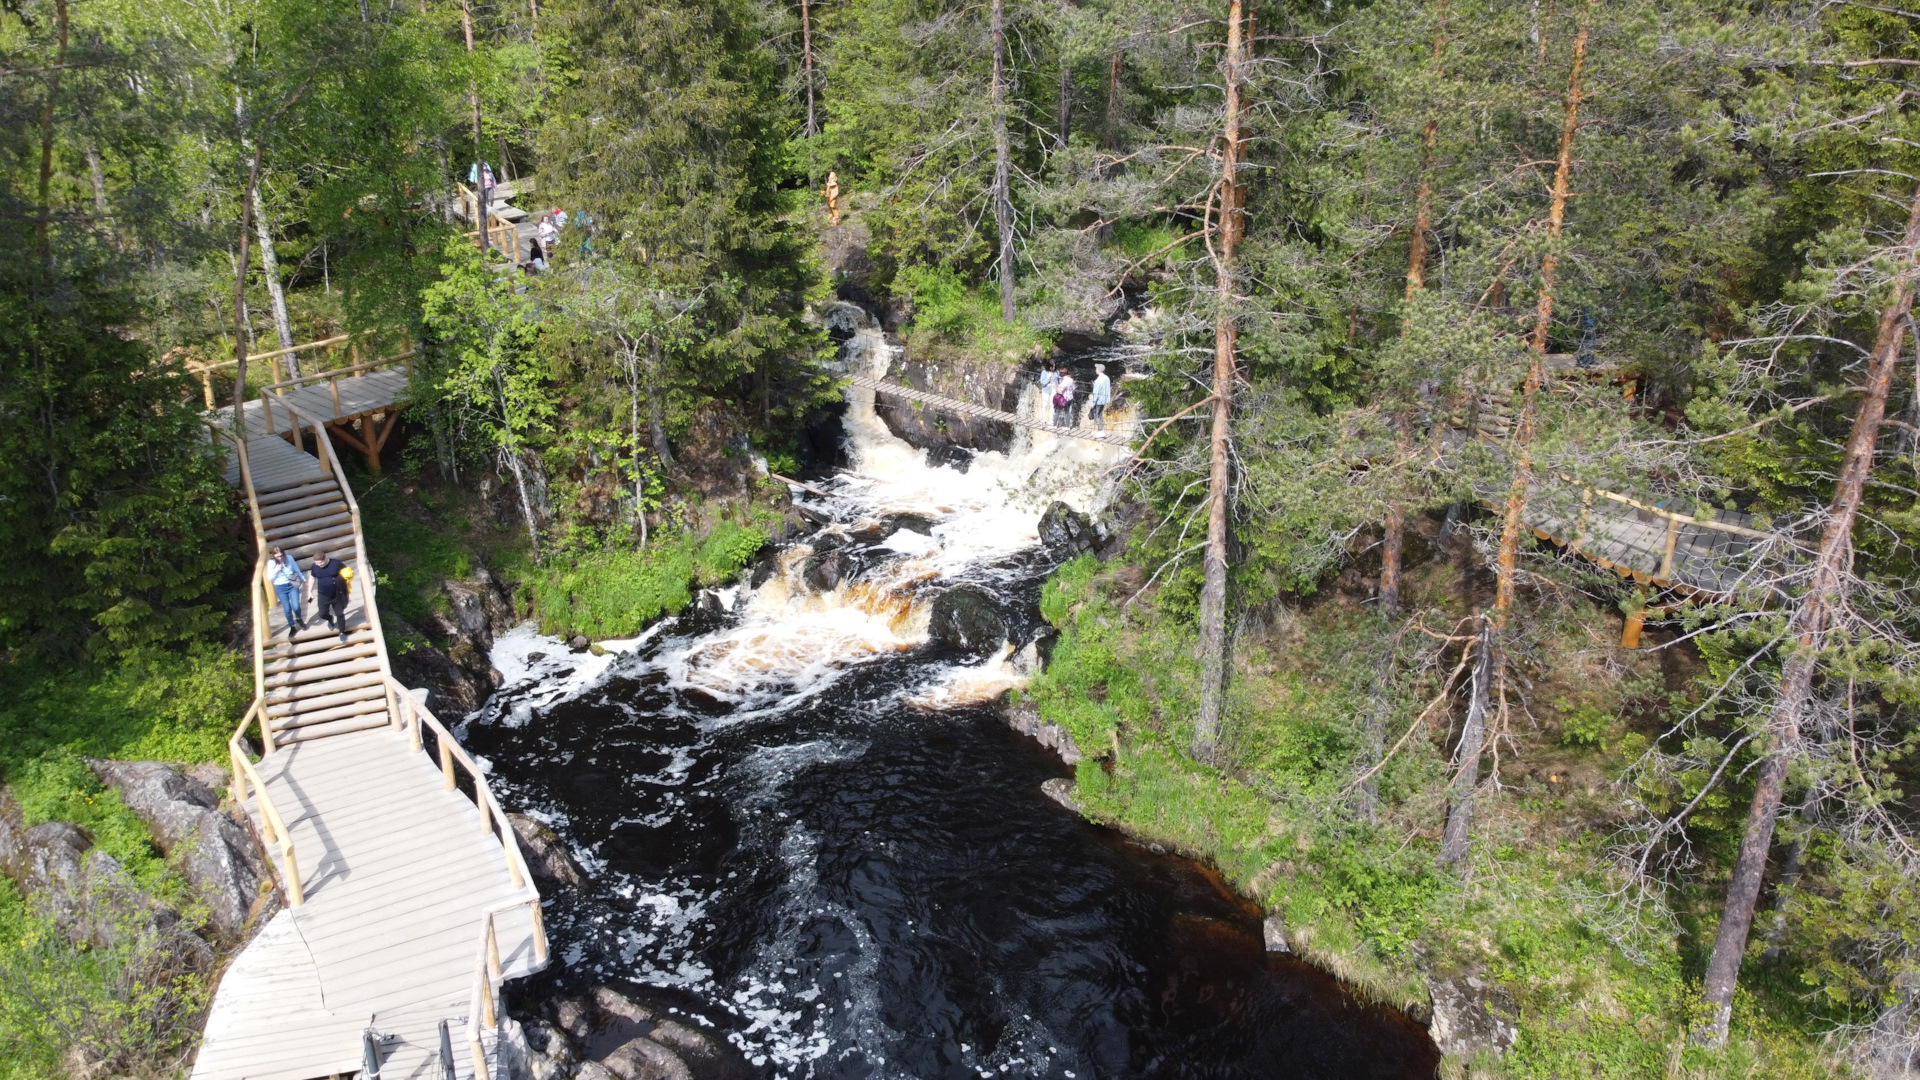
column 330, row 589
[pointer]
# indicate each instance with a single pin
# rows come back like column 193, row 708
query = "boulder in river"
column 1068, row 532
column 824, row 570
column 211, row 849
column 644, row 1059
column 1273, row 930
column 966, row 618
column 546, row 856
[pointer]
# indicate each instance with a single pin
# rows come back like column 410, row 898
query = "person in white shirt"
column 1101, row 397
column 1049, row 382
column 1063, row 400
column 288, row 580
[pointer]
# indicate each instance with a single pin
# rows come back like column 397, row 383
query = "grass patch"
column 951, row 315
column 410, row 556
column 614, row 592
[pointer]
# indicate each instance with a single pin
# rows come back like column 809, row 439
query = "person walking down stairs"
column 288, row 581
column 332, row 581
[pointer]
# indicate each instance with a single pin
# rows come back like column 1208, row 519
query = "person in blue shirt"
column 1049, row 382
column 288, row 581
column 1101, row 397
column 584, row 222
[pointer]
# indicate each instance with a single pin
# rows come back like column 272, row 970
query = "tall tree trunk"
column 1459, row 830
column 276, row 294
column 1394, row 542
column 806, row 63
column 1002, row 160
column 43, row 223
column 240, row 267
column 1514, row 521
column 1213, row 592
column 1827, row 588
column 1458, row 839
column 657, row 406
column 519, row 467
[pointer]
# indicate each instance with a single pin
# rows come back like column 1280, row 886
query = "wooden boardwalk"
column 407, row 899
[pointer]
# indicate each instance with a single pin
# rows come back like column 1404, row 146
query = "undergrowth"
column 612, row 590
column 951, row 315
column 1355, row 877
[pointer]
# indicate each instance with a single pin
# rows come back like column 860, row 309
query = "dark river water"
column 788, row 845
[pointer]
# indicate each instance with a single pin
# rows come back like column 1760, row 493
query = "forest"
column 1411, row 280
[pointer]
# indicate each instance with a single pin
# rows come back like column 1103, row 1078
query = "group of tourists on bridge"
column 1057, row 389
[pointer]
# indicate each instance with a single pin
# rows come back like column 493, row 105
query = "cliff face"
column 991, row 383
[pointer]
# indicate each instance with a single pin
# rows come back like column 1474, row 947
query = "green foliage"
column 950, row 312
column 615, row 591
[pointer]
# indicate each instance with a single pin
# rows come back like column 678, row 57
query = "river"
column 808, row 830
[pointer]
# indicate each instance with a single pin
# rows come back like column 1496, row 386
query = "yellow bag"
column 346, row 574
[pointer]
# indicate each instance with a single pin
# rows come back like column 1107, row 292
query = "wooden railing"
column 483, row 1008
column 501, row 233
column 244, row 774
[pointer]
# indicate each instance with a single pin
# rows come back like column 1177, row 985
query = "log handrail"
column 245, row 776
column 341, row 373
column 417, row 719
column 483, row 1008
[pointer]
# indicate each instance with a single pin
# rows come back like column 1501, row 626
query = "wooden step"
column 308, row 642
column 302, row 489
column 338, row 547
column 340, row 692
column 325, row 535
column 299, row 676
column 307, row 514
column 309, row 692
column 302, row 718
column 366, row 722
column 331, row 495
column 348, row 650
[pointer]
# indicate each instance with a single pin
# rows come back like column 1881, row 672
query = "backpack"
column 1060, row 400
column 346, row 573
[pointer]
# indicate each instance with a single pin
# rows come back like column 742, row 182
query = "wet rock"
column 966, row 618
column 989, row 382
column 1025, row 719
column 578, row 643
column 1068, row 532
column 454, row 688
column 617, row 1006
column 644, row 1059
column 947, row 455
column 685, row 1041
column 592, row 1070
column 824, row 570
column 918, row 523
column 1471, row 1015
column 574, row 1016
column 1060, row 790
column 467, row 608
column 844, row 320
column 212, row 850
column 544, row 1038
column 1273, row 929
column 546, row 856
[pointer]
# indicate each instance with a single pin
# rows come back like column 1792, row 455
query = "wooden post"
column 206, row 385
column 333, row 387
column 1666, row 552
column 486, row 812
column 539, row 931
column 493, row 949
column 446, row 764
column 1630, row 636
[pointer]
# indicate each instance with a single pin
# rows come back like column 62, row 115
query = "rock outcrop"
column 1025, row 719
column 1068, row 532
column 991, row 383
column 449, row 651
column 213, row 851
column 607, row 1035
column 1471, row 1015
column 966, row 618
column 546, row 856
